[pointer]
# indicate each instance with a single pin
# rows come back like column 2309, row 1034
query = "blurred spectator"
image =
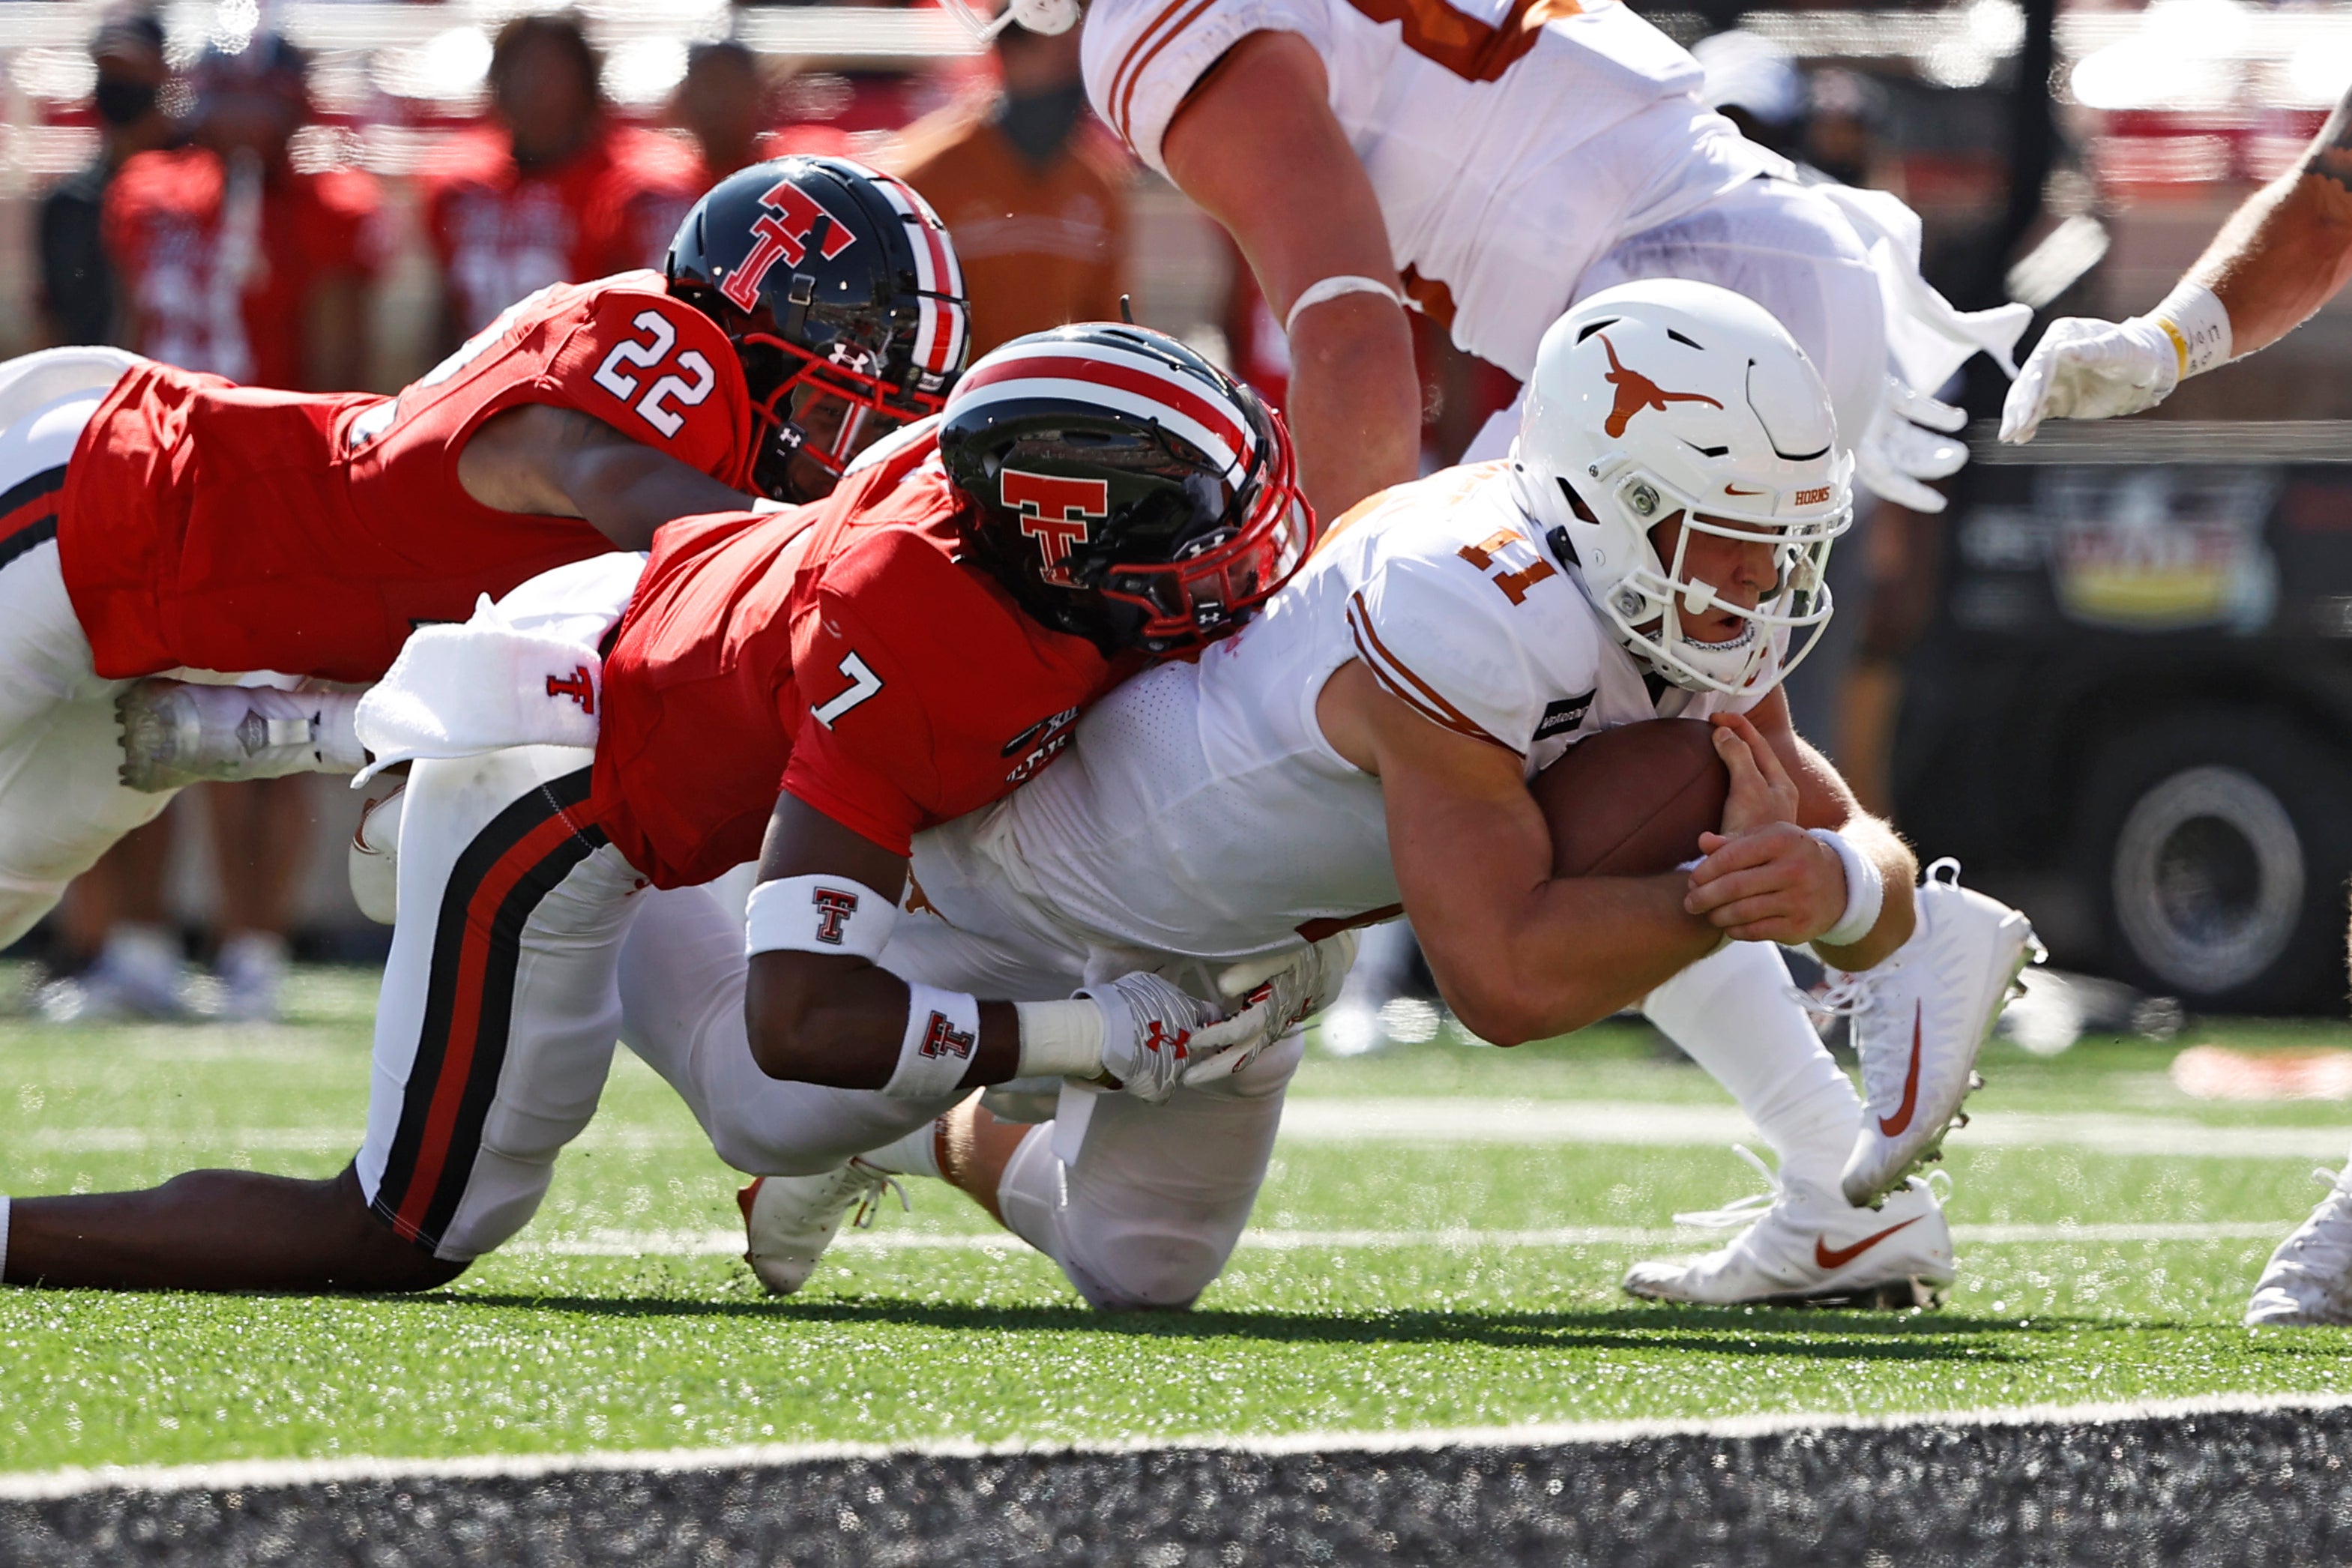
column 77, row 285
column 233, row 261
column 557, row 192
column 722, row 104
column 1036, row 196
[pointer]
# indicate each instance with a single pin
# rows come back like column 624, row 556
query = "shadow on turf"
column 1828, row 1336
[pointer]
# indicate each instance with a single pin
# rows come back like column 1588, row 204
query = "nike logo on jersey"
column 1637, row 393
column 1827, row 1257
column 1893, row 1126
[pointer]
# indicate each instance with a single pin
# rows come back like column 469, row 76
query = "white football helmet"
column 1667, row 396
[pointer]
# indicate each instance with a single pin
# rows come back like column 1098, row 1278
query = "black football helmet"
column 1122, row 488
column 840, row 289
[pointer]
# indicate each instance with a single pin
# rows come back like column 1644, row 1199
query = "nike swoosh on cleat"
column 1892, row 1126
column 1838, row 1258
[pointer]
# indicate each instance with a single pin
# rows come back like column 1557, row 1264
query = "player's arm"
column 1256, row 145
column 2282, row 255
column 1768, row 877
column 819, row 1010
column 839, row 1018
column 1520, row 955
column 559, row 462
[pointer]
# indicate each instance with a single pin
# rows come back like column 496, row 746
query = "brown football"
column 1632, row 802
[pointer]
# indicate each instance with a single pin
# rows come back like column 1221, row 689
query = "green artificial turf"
column 577, row 1338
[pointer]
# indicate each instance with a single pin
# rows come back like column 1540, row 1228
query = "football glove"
column 1901, row 451
column 1275, row 994
column 2085, row 369
column 1148, row 1030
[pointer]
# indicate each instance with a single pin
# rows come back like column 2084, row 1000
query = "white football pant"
column 62, row 802
column 1791, row 251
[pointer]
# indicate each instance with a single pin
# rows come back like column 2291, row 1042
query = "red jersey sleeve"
column 862, row 730
column 656, row 370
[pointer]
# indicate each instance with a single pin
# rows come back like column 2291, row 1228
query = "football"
column 1632, row 802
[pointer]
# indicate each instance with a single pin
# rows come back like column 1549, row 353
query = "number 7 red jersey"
column 214, row 526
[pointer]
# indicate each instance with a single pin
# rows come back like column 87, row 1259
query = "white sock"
column 1733, row 1013
column 916, row 1154
column 4, row 1237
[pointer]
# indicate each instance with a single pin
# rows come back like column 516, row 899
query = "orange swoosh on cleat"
column 1892, row 1125
column 1838, row 1258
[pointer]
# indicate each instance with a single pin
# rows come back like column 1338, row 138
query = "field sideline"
column 1437, row 1249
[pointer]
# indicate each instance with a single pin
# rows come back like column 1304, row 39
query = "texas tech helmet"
column 839, row 288
column 1122, row 488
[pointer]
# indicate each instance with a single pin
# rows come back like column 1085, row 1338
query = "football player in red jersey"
column 153, row 520
column 823, row 682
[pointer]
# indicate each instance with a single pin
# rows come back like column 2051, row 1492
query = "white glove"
column 2083, row 369
column 1150, row 1030
column 1278, row 995
column 1900, row 451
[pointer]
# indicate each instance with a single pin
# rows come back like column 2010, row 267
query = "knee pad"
column 1029, row 1193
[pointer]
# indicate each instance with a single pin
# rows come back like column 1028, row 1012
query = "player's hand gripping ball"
column 1764, row 878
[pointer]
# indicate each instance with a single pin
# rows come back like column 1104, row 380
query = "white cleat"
column 1918, row 1021
column 1806, row 1247
column 790, row 1220
column 2309, row 1280
column 176, row 732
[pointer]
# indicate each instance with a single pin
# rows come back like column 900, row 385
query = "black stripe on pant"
column 445, row 1160
column 29, row 512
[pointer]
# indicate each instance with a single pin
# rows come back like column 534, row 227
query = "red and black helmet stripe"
column 501, row 877
column 29, row 512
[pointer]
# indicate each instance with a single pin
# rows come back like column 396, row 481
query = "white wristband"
column 818, row 914
column 943, row 1031
column 1865, row 892
column 2194, row 318
column 1061, row 1039
column 1323, row 291
column 4, row 1237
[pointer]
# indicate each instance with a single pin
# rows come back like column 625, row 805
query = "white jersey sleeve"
column 1477, row 630
column 1143, row 56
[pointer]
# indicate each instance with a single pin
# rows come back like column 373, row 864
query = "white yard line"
column 730, row 1243
column 1522, row 1122
column 43, row 1484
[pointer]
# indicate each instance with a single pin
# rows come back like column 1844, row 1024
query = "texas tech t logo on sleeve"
column 834, row 908
column 782, row 234
column 1058, row 514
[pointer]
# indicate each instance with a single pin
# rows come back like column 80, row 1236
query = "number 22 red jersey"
column 214, row 526
column 840, row 653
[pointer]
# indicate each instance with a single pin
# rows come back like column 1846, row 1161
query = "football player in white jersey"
column 1654, row 550
column 1492, row 162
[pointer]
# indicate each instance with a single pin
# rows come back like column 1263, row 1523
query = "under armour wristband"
column 818, row 914
column 1865, row 892
column 2196, row 321
column 943, row 1031
column 1323, row 291
column 1061, row 1039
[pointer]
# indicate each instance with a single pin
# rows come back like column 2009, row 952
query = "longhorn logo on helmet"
column 1637, row 393
column 782, row 235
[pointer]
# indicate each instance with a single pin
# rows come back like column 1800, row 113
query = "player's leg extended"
column 1141, row 1205
column 501, row 1007
column 493, row 1032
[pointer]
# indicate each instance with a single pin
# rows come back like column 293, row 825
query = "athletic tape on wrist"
column 1865, row 892
column 943, row 1031
column 2197, row 322
column 1061, row 1039
column 818, row 914
column 1323, row 291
